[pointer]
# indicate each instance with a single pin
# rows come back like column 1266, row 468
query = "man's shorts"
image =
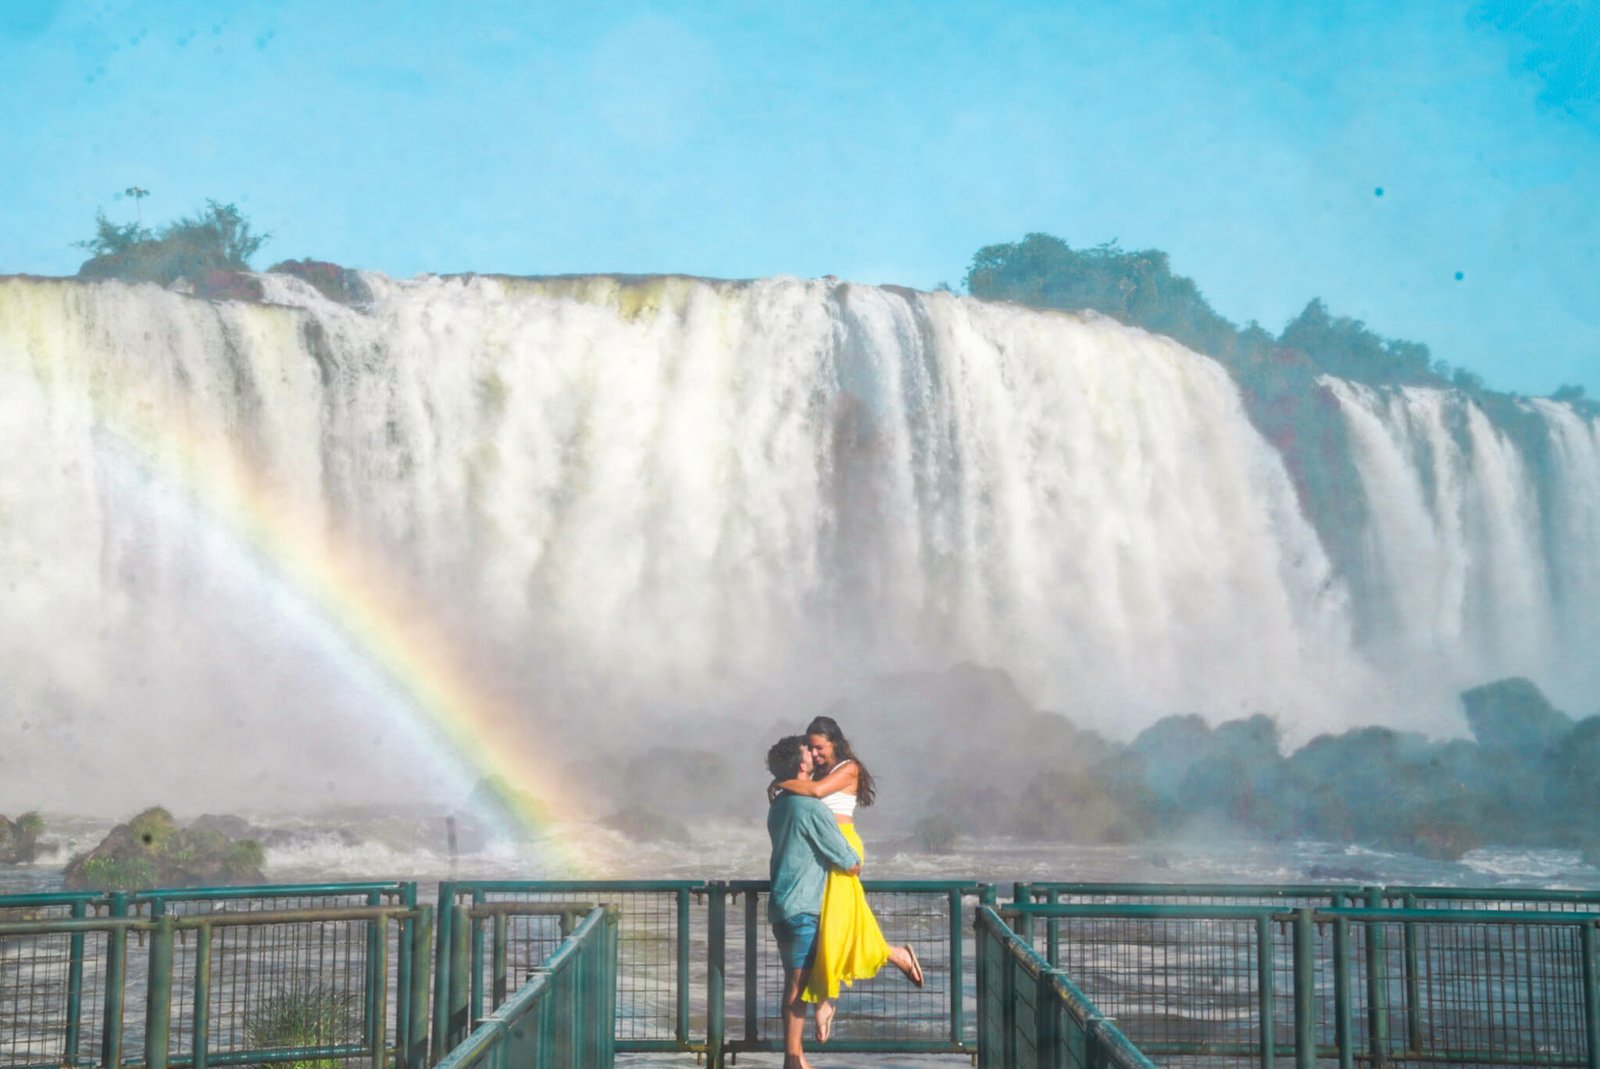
column 797, row 938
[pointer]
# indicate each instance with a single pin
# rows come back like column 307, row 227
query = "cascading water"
column 1485, row 553
column 620, row 497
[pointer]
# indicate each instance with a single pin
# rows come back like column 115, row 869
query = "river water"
column 304, row 849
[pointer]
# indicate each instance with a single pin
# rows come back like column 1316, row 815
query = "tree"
column 218, row 238
column 138, row 193
column 1137, row 287
column 111, row 239
column 1342, row 346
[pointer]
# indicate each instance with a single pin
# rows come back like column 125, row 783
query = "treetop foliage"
column 1136, row 287
column 1139, row 288
column 1342, row 346
column 217, row 238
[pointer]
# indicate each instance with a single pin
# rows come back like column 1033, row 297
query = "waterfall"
column 1482, row 540
column 617, row 497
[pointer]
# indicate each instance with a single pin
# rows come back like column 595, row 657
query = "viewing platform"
column 580, row 975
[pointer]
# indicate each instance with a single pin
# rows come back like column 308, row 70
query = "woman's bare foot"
column 824, row 1021
column 905, row 959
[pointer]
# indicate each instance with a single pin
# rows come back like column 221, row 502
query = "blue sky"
column 881, row 142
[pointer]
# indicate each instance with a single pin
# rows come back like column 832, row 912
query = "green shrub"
column 119, row 874
column 245, row 858
column 216, row 239
column 303, row 1016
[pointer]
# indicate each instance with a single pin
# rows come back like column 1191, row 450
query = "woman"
column 850, row 945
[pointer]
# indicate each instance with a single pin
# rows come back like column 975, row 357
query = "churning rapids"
column 404, row 848
column 617, row 500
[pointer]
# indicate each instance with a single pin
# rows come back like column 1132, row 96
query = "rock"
column 233, row 827
column 1343, row 874
column 332, row 281
column 152, row 850
column 1513, row 715
column 935, row 834
column 19, row 839
column 643, row 824
column 229, row 286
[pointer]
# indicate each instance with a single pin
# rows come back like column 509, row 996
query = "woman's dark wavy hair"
column 828, row 728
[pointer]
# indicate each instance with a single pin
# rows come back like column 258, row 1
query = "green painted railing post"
column 683, row 965
column 1008, row 1009
column 1305, row 980
column 73, row 1039
column 421, row 937
column 1023, row 925
column 441, row 977
column 1591, row 997
column 716, row 963
column 460, row 981
column 380, row 1011
column 1052, row 932
column 608, row 1057
column 475, row 926
column 1377, row 983
column 1265, row 950
column 1413, row 981
column 499, row 959
column 1046, row 1022
column 980, row 939
column 547, row 1035
column 752, row 1020
column 201, row 1045
column 1094, row 1051
column 580, row 1007
column 116, row 981
column 958, row 1006
column 158, row 996
column 371, row 1037
column 600, row 981
column 1343, row 1030
column 402, row 967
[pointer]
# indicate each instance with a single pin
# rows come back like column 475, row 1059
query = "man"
column 806, row 842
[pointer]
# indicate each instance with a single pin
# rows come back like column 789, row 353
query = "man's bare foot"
column 824, row 1021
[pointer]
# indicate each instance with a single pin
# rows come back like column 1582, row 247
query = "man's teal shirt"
column 806, row 842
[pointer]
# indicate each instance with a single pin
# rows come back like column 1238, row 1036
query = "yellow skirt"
column 850, row 945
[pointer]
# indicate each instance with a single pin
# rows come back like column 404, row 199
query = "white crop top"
column 841, row 803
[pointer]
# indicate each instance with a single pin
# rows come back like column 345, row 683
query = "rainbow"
column 481, row 739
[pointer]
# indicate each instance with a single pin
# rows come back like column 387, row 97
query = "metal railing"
column 1216, row 975
column 1032, row 1016
column 676, row 989
column 887, row 1015
column 562, row 1016
column 219, row 988
column 489, row 928
column 1224, row 985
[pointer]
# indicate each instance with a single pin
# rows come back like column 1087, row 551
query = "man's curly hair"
column 783, row 760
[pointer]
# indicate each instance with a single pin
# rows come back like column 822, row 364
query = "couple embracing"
column 825, row 931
